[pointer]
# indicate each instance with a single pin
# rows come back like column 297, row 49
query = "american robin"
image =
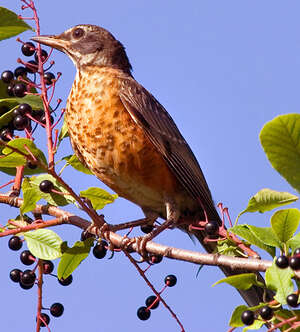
column 127, row 138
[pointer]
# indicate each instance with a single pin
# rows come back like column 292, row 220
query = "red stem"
column 48, row 223
column 40, row 292
column 44, row 92
column 141, row 272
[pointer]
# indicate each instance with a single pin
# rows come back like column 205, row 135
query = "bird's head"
column 89, row 45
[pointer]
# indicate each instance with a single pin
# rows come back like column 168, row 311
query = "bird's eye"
column 78, row 33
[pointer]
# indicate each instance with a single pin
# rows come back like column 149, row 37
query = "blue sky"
column 222, row 69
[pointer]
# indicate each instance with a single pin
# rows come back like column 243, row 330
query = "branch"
column 64, row 217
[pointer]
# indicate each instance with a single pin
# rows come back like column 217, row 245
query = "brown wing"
column 162, row 131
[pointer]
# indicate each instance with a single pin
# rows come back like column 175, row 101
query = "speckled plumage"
column 109, row 142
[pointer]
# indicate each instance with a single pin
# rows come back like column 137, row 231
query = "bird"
column 128, row 140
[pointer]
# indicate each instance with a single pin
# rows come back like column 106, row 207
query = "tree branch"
column 64, row 217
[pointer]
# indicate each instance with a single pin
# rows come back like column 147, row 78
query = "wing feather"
column 162, row 131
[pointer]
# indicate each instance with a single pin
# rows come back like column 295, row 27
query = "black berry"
column 44, row 56
column 10, row 89
column 15, row 243
column 57, row 309
column 297, row 251
column 20, row 71
column 67, row 281
column 143, row 313
column 170, row 280
column 26, row 257
column 19, row 90
column 48, row 267
column 292, row 300
column 155, row 259
column 45, row 319
column 99, row 251
column 46, row 186
column 266, row 313
column 43, row 119
column 24, row 108
column 248, row 317
column 15, row 112
column 32, row 67
column 28, row 49
column 48, row 77
column 15, row 275
column 24, row 286
column 212, row 227
column 295, row 262
column 28, row 277
column 147, row 228
column 21, row 122
column 5, row 133
column 7, row 76
column 151, row 299
column 282, row 262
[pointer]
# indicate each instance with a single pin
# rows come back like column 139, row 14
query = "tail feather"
column 252, row 296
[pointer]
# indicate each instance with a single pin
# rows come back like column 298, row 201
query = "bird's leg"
column 150, row 218
column 172, row 218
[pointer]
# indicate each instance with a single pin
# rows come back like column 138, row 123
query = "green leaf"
column 285, row 223
column 255, row 326
column 10, row 24
column 75, row 163
column 280, row 281
column 10, row 160
column 241, row 281
column 13, row 159
column 281, row 142
column 72, row 257
column 267, row 199
column 245, row 232
column 235, row 320
column 228, row 248
column 265, row 235
column 52, row 198
column 98, row 197
column 30, row 196
column 7, row 117
column 44, row 243
column 63, row 132
column 294, row 242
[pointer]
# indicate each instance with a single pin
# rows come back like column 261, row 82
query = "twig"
column 40, row 292
column 141, row 272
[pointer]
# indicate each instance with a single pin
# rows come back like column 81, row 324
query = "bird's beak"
column 52, row 41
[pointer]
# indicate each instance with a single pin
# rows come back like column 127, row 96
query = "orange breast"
column 112, row 145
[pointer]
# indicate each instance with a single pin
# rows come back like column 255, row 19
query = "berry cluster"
column 18, row 85
column 152, row 302
column 56, row 310
column 266, row 313
column 27, row 278
column 248, row 316
column 293, row 262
